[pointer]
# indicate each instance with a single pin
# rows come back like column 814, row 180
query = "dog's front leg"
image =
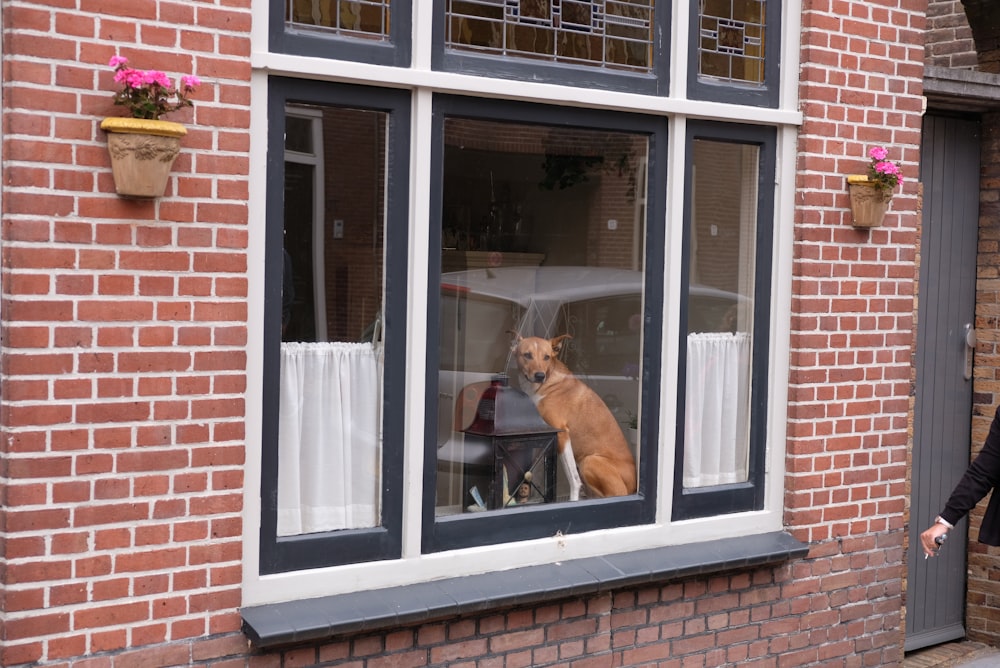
column 572, row 473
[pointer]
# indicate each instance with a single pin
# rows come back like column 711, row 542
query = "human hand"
column 932, row 538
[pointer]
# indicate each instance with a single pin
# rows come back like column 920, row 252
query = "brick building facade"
column 127, row 355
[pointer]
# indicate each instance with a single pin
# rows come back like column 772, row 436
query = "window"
column 436, row 182
column 545, row 232
column 359, row 18
column 332, row 365
column 618, row 44
column 370, row 31
column 722, row 393
column 734, row 50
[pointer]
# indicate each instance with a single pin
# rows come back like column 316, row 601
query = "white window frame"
column 423, row 82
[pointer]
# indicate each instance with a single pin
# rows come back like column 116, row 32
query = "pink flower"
column 878, row 153
column 155, row 78
column 150, row 93
column 134, row 78
column 885, row 173
column 886, row 168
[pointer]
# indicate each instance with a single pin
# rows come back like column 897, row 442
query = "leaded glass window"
column 731, row 44
column 734, row 51
column 377, row 32
column 359, row 18
column 614, row 34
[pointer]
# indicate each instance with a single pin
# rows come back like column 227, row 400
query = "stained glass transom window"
column 732, row 40
column 613, row 34
column 357, row 18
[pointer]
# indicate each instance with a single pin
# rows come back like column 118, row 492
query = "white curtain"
column 717, row 409
column 329, row 437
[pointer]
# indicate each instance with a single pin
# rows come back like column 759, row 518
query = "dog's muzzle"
column 539, row 377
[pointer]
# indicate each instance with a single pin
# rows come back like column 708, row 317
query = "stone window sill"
column 316, row 619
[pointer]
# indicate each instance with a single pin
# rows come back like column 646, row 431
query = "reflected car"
column 600, row 307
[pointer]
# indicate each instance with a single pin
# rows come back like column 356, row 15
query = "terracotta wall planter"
column 142, row 154
column 868, row 202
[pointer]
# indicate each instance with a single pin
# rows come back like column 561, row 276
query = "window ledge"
column 315, row 619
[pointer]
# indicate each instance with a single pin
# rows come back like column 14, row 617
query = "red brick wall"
column 852, row 306
column 852, row 323
column 124, row 334
column 983, row 18
column 949, row 40
column 124, row 356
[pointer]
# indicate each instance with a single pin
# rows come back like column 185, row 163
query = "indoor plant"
column 633, row 427
column 143, row 147
column 871, row 193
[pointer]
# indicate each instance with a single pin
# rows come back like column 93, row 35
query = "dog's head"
column 536, row 356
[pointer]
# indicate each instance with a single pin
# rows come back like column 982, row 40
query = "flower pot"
column 142, row 153
column 868, row 202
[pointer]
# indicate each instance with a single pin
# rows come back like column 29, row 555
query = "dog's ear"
column 556, row 343
column 515, row 338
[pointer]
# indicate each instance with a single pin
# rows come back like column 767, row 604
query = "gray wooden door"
column 935, row 602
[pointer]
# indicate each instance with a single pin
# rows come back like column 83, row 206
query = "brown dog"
column 591, row 443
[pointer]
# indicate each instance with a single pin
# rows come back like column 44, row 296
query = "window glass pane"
column 541, row 287
column 330, row 386
column 719, row 313
column 298, row 134
column 732, row 36
column 360, row 18
column 616, row 34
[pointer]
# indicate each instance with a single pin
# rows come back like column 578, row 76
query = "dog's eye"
column 547, row 358
column 528, row 356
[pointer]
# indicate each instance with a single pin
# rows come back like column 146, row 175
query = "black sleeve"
column 982, row 475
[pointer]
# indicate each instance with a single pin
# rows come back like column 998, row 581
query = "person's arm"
column 982, row 475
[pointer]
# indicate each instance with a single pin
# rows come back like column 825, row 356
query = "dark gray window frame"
column 303, row 42
column 519, row 524
column 656, row 82
column 291, row 553
column 731, row 92
column 737, row 497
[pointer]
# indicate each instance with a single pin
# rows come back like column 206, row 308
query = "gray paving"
column 960, row 654
column 989, row 658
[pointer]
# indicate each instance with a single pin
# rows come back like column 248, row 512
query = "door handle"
column 970, row 347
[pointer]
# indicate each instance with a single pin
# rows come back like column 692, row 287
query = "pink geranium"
column 885, row 173
column 150, row 93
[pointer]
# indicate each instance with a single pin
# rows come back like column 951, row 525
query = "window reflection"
column 542, row 234
column 719, row 309
column 330, row 386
